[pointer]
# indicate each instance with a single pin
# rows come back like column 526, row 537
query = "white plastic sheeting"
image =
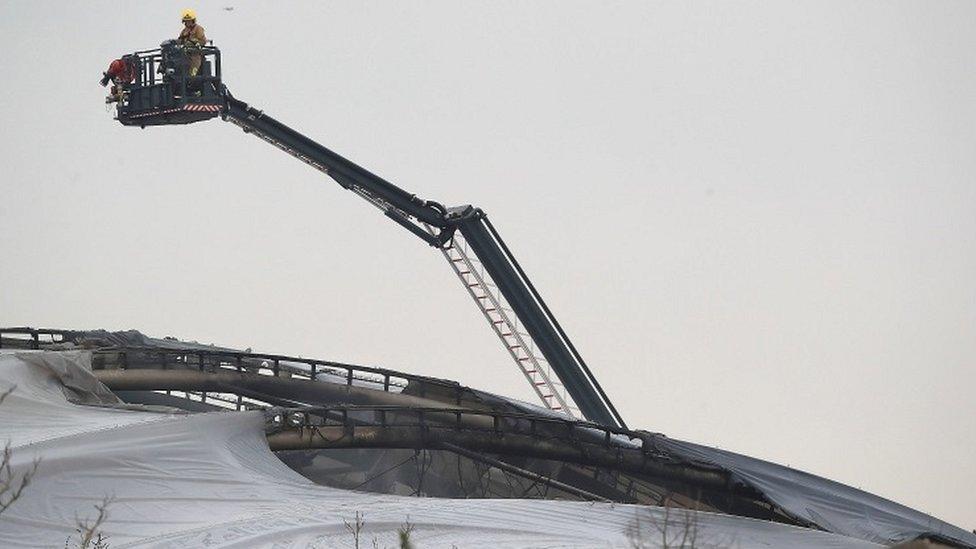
column 830, row 505
column 209, row 480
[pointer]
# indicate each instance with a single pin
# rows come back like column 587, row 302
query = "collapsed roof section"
column 349, row 426
column 177, row 479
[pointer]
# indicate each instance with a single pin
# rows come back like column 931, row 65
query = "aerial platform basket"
column 164, row 93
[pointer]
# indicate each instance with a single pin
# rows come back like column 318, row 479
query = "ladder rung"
column 496, row 310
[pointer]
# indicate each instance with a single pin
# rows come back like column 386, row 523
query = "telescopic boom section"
column 396, row 203
column 415, row 214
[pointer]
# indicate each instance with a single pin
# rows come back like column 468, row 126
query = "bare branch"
column 89, row 531
column 404, row 534
column 356, row 528
column 12, row 486
column 674, row 532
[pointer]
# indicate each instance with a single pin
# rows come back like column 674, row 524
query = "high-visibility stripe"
column 202, row 108
column 188, row 108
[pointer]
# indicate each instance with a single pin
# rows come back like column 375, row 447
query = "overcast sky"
column 757, row 221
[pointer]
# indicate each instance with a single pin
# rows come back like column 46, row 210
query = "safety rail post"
column 314, row 368
column 183, row 90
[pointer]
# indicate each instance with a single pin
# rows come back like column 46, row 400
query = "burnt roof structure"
column 360, row 432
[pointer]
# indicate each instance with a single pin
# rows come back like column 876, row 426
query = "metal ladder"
column 483, row 290
column 507, row 327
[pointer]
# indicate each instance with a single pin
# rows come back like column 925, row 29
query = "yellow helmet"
column 189, row 15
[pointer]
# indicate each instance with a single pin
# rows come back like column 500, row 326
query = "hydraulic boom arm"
column 438, row 226
column 162, row 91
column 399, row 205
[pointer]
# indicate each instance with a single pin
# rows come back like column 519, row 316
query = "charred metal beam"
column 440, row 424
column 502, row 443
column 255, row 386
column 524, row 473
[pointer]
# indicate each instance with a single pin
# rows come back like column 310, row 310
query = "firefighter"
column 121, row 72
column 192, row 39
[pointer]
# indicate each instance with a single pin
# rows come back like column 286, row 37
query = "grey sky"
column 756, row 220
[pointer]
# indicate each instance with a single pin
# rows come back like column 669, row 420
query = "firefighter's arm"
column 112, row 72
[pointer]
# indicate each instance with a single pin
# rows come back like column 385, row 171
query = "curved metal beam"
column 303, row 390
column 417, row 437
